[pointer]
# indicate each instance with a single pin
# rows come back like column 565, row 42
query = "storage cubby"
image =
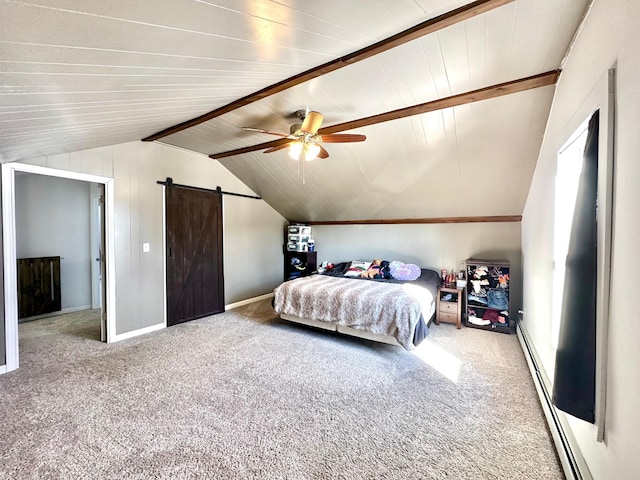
column 487, row 295
column 299, row 264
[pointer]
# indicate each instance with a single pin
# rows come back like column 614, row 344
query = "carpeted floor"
column 243, row 395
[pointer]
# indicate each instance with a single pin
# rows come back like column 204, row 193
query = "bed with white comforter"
column 390, row 311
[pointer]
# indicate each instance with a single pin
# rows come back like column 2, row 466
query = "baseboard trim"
column 55, row 314
column 153, row 328
column 574, row 467
column 248, row 301
column 136, row 333
column 3, row 369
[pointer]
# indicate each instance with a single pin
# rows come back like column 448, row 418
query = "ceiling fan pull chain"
column 304, row 178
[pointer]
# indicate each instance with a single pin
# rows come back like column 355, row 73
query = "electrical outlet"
column 146, row 248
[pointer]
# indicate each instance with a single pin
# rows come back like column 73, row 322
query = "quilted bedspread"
column 376, row 307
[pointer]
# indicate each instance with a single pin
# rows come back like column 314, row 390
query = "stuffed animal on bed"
column 385, row 271
column 373, row 270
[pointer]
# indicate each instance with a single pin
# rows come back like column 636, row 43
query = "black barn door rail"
column 169, row 182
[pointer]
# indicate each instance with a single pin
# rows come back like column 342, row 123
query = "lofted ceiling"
column 78, row 75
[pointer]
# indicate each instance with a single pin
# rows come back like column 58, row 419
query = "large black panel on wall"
column 574, row 382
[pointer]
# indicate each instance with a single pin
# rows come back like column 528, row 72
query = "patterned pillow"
column 404, row 271
column 356, row 268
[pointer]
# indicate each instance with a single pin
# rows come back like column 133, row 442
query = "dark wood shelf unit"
column 494, row 288
column 299, row 264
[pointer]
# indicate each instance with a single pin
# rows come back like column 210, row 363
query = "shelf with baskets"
column 300, row 257
column 487, row 295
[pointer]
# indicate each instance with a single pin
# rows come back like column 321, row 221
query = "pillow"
column 404, row 271
column 339, row 267
column 356, row 268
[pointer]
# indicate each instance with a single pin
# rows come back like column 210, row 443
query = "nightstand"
column 449, row 306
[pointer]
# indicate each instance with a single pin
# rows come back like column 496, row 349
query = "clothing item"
column 494, row 317
column 498, row 299
column 491, row 315
column 482, row 301
column 478, row 321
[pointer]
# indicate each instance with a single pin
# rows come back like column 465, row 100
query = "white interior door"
column 98, row 285
column 96, row 273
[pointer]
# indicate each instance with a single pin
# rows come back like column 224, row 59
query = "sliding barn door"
column 195, row 280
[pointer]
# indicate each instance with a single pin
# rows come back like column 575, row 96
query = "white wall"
column 434, row 246
column 52, row 219
column 253, row 230
column 609, row 36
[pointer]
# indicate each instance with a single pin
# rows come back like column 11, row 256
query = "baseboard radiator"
column 574, row 467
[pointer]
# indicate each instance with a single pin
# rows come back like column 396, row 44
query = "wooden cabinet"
column 38, row 286
column 487, row 295
column 449, row 306
column 299, row 264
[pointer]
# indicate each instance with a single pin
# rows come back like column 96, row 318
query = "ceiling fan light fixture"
column 295, row 149
column 311, row 151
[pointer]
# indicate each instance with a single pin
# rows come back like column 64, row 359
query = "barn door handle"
column 170, row 251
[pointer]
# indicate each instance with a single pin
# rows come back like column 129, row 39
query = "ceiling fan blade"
column 343, row 138
column 260, row 130
column 323, row 153
column 279, row 147
column 253, row 148
column 312, row 122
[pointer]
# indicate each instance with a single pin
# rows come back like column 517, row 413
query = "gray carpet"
column 243, row 395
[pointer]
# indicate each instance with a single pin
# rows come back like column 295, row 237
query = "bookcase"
column 487, row 295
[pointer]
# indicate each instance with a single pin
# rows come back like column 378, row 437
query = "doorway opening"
column 102, row 251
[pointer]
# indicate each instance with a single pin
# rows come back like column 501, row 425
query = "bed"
column 385, row 310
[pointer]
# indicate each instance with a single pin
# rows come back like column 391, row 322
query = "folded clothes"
column 493, row 316
column 478, row 321
column 498, row 299
column 477, row 299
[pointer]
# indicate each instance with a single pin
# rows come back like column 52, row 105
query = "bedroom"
column 253, row 229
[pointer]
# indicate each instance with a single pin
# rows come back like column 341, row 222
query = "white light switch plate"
column 146, row 248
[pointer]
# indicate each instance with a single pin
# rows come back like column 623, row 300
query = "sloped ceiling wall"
column 77, row 75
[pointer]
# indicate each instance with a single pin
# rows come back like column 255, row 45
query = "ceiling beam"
column 261, row 146
column 429, row 26
column 402, row 221
column 493, row 91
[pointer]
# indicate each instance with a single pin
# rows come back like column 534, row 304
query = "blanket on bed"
column 377, row 307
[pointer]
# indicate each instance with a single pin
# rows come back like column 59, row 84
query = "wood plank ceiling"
column 77, row 75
